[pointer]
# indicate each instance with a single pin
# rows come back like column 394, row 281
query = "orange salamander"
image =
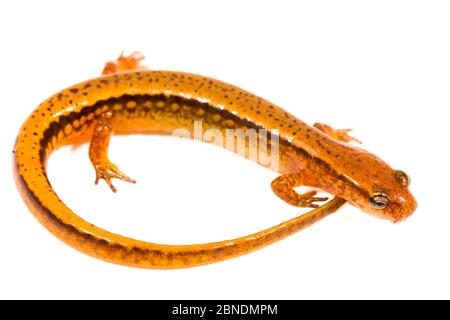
column 129, row 99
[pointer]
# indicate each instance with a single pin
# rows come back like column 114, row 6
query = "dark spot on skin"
column 308, row 136
column 87, row 85
column 88, row 236
column 103, row 242
column 74, row 90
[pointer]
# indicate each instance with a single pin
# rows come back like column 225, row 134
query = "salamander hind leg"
column 338, row 134
column 284, row 185
column 125, row 63
column 98, row 153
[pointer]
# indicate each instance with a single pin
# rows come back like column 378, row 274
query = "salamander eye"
column 379, row 201
column 402, row 178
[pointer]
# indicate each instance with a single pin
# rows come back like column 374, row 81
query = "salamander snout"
column 401, row 208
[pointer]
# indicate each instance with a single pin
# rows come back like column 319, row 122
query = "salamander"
column 129, row 99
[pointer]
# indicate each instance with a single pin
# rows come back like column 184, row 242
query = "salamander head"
column 393, row 201
column 380, row 190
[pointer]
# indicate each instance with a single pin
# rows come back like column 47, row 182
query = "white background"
column 380, row 67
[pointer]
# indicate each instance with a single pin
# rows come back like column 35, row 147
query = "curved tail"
column 45, row 204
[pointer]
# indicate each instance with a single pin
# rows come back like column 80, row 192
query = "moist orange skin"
column 160, row 102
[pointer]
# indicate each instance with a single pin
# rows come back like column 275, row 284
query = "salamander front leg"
column 284, row 185
column 338, row 134
column 98, row 153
